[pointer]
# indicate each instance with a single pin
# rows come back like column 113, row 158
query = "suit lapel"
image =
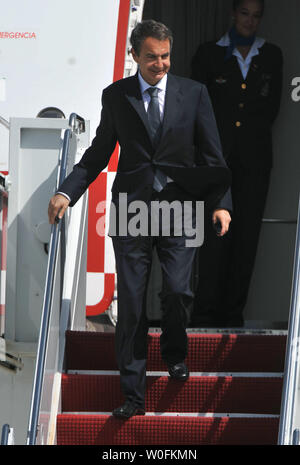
column 254, row 72
column 133, row 94
column 173, row 104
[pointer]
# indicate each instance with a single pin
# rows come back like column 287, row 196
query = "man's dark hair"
column 237, row 3
column 149, row 28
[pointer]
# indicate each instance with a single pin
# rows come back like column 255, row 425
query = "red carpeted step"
column 101, row 393
column 207, row 352
column 147, row 430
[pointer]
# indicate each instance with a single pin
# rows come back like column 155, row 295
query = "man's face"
column 153, row 60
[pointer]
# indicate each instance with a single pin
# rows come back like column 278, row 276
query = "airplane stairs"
column 233, row 395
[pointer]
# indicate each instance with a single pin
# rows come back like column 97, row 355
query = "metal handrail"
column 279, row 221
column 40, row 363
column 4, row 122
column 292, row 355
column 5, row 434
column 57, row 231
column 76, row 123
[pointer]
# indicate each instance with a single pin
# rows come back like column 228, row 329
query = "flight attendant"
column 243, row 75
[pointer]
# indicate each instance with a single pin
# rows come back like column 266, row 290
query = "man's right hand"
column 57, row 207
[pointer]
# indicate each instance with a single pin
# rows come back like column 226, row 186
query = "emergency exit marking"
column 17, row 35
column 2, row 89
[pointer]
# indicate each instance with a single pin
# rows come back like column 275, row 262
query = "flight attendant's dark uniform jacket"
column 245, row 109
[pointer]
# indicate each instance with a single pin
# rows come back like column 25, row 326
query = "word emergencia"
column 17, row 35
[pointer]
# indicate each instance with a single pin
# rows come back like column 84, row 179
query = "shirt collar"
column 161, row 85
column 258, row 43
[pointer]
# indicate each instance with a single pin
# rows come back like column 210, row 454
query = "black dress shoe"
column 179, row 371
column 127, row 410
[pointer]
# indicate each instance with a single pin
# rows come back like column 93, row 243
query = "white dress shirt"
column 243, row 63
column 161, row 86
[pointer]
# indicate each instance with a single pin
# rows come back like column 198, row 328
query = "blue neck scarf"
column 235, row 40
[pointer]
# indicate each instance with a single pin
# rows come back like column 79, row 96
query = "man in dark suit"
column 170, row 151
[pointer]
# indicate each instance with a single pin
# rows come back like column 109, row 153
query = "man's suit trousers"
column 133, row 264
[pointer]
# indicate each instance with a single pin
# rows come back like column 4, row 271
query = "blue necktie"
column 160, row 179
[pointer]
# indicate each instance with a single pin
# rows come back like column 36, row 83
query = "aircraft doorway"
column 198, row 21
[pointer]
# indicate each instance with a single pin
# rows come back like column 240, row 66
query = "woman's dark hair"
column 237, row 3
column 149, row 28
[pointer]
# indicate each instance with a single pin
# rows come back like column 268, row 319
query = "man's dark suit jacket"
column 189, row 150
